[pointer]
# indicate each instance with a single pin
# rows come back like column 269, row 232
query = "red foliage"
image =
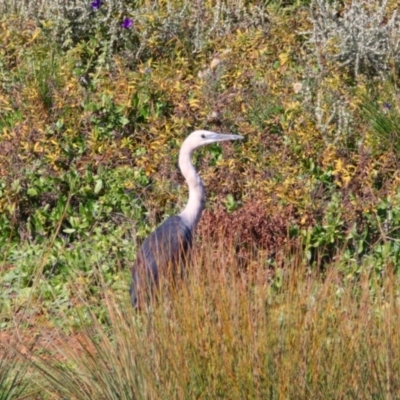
column 250, row 228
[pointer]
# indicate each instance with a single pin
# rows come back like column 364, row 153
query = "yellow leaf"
column 35, row 35
column 215, row 62
column 338, row 166
column 283, row 58
column 37, row 148
column 194, row 103
column 346, row 179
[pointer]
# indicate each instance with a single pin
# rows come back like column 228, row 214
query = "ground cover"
column 95, row 100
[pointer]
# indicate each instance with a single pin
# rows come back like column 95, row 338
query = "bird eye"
column 203, row 136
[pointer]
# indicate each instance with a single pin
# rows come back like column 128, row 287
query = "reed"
column 231, row 333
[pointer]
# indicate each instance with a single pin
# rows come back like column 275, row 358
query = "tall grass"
column 227, row 333
column 10, row 378
column 14, row 382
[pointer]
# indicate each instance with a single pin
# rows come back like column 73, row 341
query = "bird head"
column 201, row 138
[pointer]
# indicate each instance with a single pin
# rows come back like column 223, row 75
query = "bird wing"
column 164, row 250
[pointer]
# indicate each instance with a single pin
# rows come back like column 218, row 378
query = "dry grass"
column 233, row 334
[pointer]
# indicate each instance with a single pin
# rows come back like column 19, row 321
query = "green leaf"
column 98, row 186
column 124, row 121
column 32, row 192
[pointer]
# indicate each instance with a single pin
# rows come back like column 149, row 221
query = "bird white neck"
column 197, row 196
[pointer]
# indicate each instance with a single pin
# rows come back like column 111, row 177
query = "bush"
column 360, row 36
column 140, row 29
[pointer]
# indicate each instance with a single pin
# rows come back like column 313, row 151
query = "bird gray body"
column 165, row 250
column 168, row 247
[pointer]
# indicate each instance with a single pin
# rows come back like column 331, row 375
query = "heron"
column 166, row 249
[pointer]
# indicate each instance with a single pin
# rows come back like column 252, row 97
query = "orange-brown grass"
column 235, row 334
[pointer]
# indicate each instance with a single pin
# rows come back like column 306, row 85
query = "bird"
column 165, row 251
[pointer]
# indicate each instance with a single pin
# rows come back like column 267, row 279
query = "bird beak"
column 219, row 137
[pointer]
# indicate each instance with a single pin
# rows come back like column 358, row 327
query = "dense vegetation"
column 294, row 290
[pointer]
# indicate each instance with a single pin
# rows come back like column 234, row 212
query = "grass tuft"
column 231, row 334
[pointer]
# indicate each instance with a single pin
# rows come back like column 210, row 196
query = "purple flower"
column 127, row 23
column 388, row 106
column 96, row 4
